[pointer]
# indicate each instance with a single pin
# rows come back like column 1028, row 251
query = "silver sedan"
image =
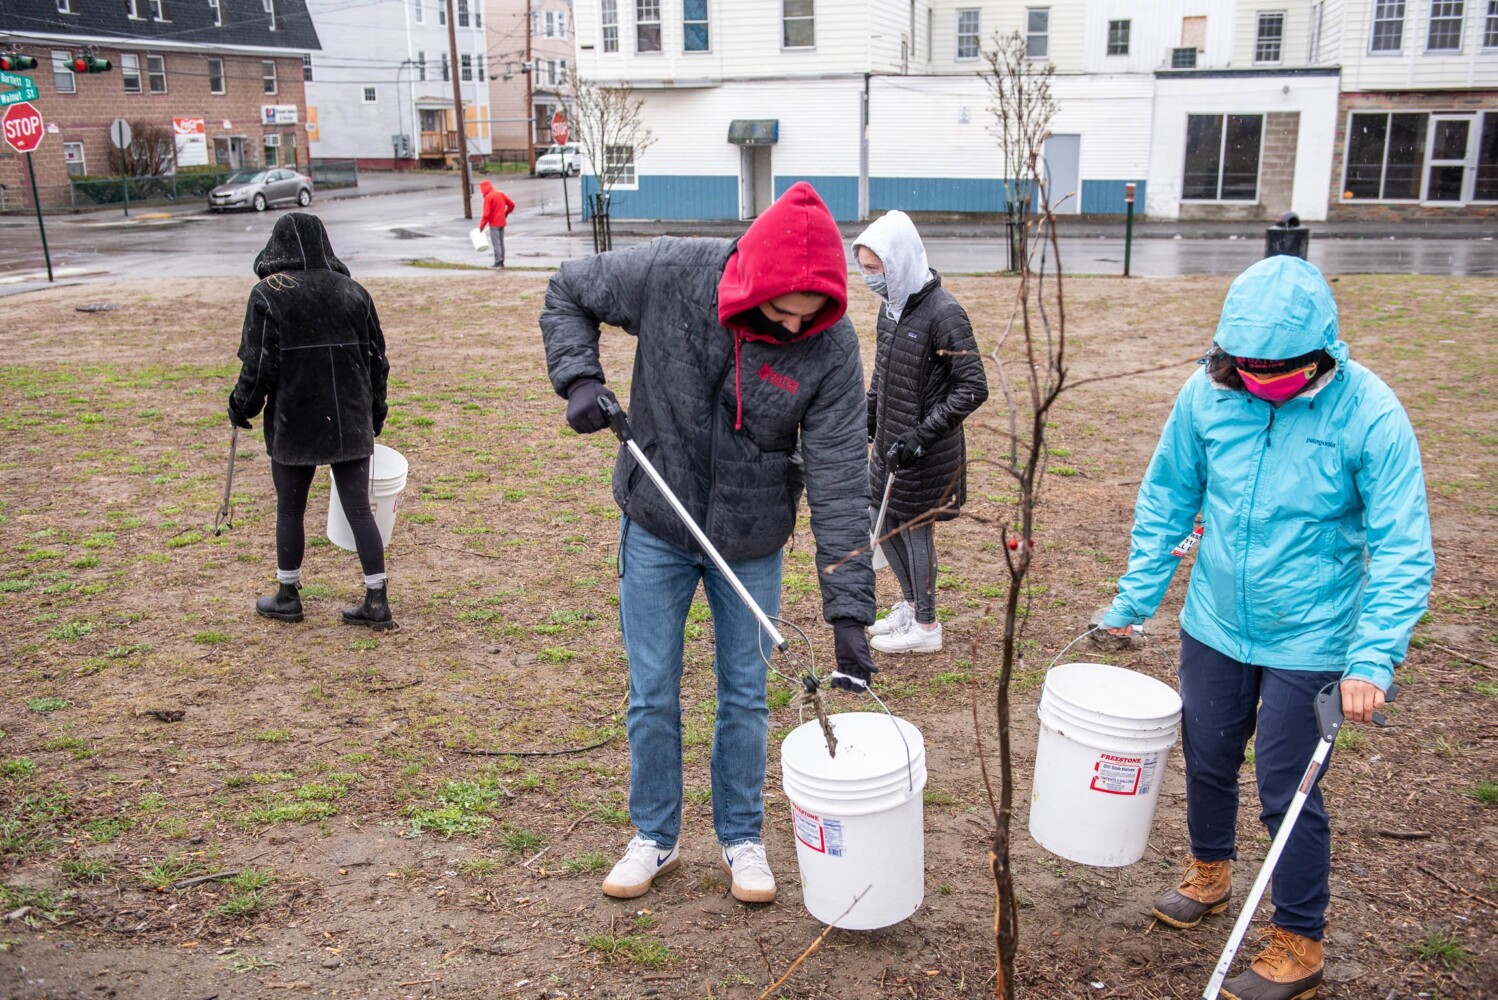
column 258, row 189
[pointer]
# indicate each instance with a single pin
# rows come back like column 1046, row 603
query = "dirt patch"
column 321, row 773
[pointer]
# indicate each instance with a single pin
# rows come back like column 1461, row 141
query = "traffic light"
column 90, row 64
column 15, row 62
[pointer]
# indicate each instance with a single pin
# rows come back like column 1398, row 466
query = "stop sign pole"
column 23, row 133
column 559, row 136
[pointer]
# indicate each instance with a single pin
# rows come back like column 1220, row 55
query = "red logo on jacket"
column 770, row 375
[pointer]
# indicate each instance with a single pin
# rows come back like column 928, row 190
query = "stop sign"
column 559, row 128
column 23, row 127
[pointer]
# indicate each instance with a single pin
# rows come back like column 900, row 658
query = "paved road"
column 420, row 219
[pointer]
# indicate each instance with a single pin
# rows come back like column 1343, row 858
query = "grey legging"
column 912, row 555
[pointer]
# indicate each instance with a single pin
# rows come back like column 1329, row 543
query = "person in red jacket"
column 497, row 207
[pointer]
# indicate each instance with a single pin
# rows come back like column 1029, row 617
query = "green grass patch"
column 1443, row 946
column 631, row 948
column 48, row 704
column 588, row 863
column 39, row 904
column 556, row 654
column 70, row 631
column 273, row 736
column 87, row 869
column 18, row 767
column 293, row 812
column 240, row 906
column 210, row 638
column 521, row 841
column 1485, row 792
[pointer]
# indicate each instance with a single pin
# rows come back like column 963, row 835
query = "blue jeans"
column 1223, row 703
column 657, row 582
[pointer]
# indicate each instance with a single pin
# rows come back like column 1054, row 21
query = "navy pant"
column 1223, row 703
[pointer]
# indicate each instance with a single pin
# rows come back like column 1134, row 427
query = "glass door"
column 1450, row 158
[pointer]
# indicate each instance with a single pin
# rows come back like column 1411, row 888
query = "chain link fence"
column 85, row 193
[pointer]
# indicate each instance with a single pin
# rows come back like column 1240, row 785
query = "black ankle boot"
column 285, row 605
column 373, row 613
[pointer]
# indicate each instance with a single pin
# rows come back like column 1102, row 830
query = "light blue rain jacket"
column 1316, row 553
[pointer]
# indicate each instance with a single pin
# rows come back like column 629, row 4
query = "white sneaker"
column 753, row 881
column 912, row 639
column 643, row 860
column 899, row 616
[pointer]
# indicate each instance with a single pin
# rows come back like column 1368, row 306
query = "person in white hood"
column 928, row 376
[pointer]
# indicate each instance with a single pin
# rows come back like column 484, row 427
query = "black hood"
column 298, row 243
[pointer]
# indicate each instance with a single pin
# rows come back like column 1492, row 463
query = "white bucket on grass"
column 1104, row 735
column 858, row 818
column 387, row 479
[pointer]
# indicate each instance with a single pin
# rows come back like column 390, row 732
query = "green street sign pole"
column 36, row 202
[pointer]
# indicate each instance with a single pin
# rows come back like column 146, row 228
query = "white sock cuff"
column 375, row 582
column 289, row 575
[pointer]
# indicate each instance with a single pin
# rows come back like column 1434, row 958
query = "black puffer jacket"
column 312, row 351
column 802, row 408
column 927, row 378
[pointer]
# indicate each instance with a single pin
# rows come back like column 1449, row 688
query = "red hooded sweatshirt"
column 794, row 246
column 497, row 207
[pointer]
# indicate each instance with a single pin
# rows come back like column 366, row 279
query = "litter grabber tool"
column 877, row 556
column 225, row 520
column 619, row 424
column 1329, row 720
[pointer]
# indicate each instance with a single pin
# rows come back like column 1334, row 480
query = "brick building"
column 225, row 77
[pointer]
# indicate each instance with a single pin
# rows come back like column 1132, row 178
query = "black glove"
column 855, row 667
column 379, row 425
column 235, row 417
column 904, row 451
column 584, row 415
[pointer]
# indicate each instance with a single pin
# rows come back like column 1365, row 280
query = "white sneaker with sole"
column 899, row 616
column 753, row 881
column 913, row 639
column 643, row 861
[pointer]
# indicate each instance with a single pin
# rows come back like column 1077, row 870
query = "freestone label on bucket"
column 822, row 836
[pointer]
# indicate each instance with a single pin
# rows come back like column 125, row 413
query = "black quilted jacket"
column 803, row 420
column 918, row 387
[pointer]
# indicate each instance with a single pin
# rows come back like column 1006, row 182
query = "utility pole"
column 452, row 49
column 529, row 69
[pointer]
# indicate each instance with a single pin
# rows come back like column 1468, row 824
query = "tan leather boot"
column 1289, row 968
column 1205, row 888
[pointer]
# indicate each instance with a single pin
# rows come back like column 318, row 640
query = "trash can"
column 1288, row 237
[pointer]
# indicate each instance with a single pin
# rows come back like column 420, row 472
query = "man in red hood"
column 497, row 208
column 747, row 389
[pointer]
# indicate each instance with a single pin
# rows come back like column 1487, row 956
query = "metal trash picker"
column 225, row 520
column 877, row 556
column 1329, row 720
column 619, row 424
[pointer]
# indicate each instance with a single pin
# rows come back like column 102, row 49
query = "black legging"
column 293, row 482
column 911, row 553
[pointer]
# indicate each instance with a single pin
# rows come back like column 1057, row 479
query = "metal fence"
column 335, row 173
column 84, row 193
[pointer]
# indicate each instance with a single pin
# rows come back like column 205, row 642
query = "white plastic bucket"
column 1105, row 733
column 858, row 818
column 387, row 479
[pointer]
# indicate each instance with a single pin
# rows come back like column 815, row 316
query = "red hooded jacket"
column 794, row 246
column 497, row 207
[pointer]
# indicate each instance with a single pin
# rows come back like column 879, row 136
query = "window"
column 72, row 156
column 694, row 32
column 62, row 73
column 1118, row 38
column 1222, row 157
column 132, row 9
column 465, row 68
column 562, row 72
column 620, row 162
column 551, row 24
column 608, row 19
column 1486, row 186
column 1313, row 43
column 1037, row 32
column 647, row 25
column 1385, row 156
column 480, row 61
column 462, row 13
column 441, row 13
column 156, row 73
column 370, row 95
column 270, row 13
column 268, row 75
column 1445, row 33
column 158, row 10
column 1388, row 26
column 1269, row 37
column 218, row 13
column 216, row 76
column 418, row 11
column 445, row 69
column 1184, row 58
column 306, row 67
column 1490, row 27
column 561, row 24
column 421, row 66
column 798, row 26
column 130, row 72
column 968, row 29
column 65, row 6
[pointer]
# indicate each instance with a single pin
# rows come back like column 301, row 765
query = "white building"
column 381, row 92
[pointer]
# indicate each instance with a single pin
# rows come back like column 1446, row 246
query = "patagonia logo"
column 1324, row 444
column 770, row 375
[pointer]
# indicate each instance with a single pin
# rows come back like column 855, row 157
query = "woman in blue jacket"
column 1314, row 566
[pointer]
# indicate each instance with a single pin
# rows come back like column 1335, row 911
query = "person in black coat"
column 314, row 359
column 928, row 376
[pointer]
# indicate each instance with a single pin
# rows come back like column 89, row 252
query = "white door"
column 1449, row 167
column 1061, row 172
column 756, row 181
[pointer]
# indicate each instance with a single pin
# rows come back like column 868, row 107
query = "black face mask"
column 756, row 320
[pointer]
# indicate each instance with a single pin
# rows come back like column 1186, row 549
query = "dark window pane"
column 1240, row 158
column 799, row 33
column 1450, row 140
column 1445, row 184
column 694, row 10
column 647, row 38
column 1118, row 38
column 1487, row 160
column 1365, row 154
column 1203, row 152
column 798, row 8
column 1406, row 156
column 694, row 37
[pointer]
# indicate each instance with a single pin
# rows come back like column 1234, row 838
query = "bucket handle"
column 909, row 758
column 1099, row 628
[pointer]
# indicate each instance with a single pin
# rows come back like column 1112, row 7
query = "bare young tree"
column 1020, row 101
column 152, row 152
column 610, row 129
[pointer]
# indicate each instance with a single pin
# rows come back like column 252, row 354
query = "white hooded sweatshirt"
column 893, row 239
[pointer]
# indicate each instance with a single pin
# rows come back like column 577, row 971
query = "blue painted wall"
column 936, row 194
column 1107, row 197
column 840, row 194
column 668, row 196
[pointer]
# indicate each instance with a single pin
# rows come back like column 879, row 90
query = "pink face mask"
column 1278, row 388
